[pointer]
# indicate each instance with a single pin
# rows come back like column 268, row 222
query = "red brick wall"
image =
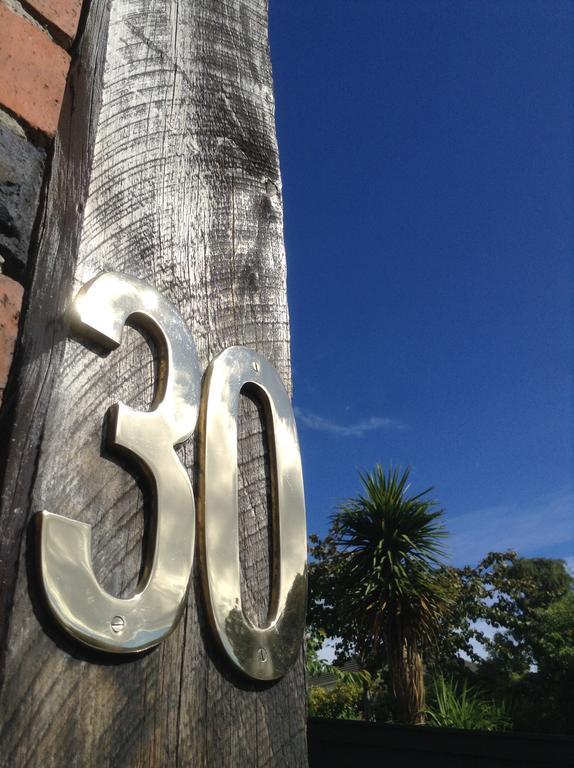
column 35, row 37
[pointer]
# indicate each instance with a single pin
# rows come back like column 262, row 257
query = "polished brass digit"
column 74, row 595
column 264, row 653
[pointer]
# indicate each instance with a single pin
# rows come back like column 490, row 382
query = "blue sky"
column 427, row 153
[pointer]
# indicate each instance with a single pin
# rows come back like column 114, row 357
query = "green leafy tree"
column 509, row 593
column 343, row 702
column 530, row 656
column 457, row 633
column 551, row 686
column 376, row 585
column 517, row 593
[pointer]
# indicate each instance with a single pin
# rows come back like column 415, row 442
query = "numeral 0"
column 263, row 653
column 117, row 625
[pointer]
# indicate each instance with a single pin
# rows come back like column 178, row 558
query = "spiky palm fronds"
column 389, row 545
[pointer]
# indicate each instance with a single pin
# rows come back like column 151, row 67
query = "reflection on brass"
column 264, row 653
column 75, row 597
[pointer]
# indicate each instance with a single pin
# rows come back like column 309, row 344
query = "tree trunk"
column 406, row 672
column 165, row 168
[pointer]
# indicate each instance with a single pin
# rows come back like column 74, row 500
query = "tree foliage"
column 529, row 603
column 379, row 587
column 375, row 584
column 343, row 702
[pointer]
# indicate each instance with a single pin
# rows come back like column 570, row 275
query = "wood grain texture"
column 165, row 168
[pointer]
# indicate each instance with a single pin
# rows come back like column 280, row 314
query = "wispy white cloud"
column 529, row 529
column 570, row 564
column 357, row 429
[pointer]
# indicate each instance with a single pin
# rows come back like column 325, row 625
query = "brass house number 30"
column 116, row 625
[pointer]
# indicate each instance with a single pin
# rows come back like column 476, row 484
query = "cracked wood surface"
column 165, row 167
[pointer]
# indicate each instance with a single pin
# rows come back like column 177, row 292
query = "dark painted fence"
column 343, row 743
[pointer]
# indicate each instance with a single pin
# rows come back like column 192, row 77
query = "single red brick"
column 63, row 14
column 33, row 71
column 11, row 294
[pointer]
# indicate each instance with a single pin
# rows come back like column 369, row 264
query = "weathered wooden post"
column 164, row 168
